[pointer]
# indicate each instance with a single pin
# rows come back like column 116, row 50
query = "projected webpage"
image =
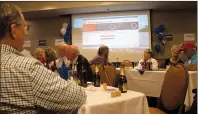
column 124, row 35
column 114, row 32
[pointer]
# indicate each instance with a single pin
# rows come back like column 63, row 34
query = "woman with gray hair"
column 175, row 51
column 51, row 58
column 148, row 61
column 102, row 57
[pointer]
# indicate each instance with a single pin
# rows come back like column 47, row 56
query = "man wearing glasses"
column 26, row 86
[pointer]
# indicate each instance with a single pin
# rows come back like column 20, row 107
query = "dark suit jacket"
column 83, row 61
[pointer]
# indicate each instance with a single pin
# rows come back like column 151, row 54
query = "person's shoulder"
column 152, row 59
column 141, row 60
column 19, row 61
column 82, row 57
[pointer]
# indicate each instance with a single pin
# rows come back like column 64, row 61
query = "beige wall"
column 176, row 22
column 45, row 29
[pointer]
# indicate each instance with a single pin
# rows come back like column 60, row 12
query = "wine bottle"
column 83, row 77
column 97, row 77
column 76, row 79
column 117, row 63
column 122, row 85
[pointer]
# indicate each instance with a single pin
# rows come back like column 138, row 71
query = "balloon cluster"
column 66, row 31
column 160, row 37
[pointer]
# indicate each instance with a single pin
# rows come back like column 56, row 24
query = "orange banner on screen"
column 89, row 27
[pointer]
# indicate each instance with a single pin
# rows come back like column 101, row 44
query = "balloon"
column 160, row 36
column 63, row 31
column 161, row 27
column 157, row 30
column 157, row 48
column 65, row 25
column 66, row 38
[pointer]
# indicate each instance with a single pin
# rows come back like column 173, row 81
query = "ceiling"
column 37, row 10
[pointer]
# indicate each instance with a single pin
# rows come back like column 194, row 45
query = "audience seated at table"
column 63, row 64
column 39, row 54
column 73, row 54
column 102, row 56
column 27, row 86
column 51, row 57
column 143, row 63
column 175, row 56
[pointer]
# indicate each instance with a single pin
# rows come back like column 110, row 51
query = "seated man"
column 143, row 63
column 26, row 85
column 63, row 65
column 189, row 49
column 76, row 58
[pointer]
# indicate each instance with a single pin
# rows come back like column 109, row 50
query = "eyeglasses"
column 27, row 28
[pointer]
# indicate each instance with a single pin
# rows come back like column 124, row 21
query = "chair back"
column 108, row 74
column 126, row 63
column 191, row 67
column 174, row 89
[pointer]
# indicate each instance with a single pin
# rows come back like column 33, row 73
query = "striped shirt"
column 26, row 85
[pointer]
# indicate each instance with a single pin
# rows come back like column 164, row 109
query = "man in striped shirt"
column 27, row 87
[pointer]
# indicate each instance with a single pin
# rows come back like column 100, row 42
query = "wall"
column 176, row 23
column 45, row 29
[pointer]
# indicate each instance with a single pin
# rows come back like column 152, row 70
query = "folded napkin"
column 141, row 71
column 90, row 88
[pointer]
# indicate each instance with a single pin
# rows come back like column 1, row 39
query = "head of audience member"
column 103, row 51
column 62, row 49
column 12, row 26
column 147, row 54
column 50, row 54
column 39, row 54
column 73, row 52
column 188, row 48
column 175, row 51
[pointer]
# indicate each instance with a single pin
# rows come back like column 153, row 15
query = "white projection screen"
column 126, row 34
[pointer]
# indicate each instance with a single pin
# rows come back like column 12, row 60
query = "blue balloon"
column 162, row 28
column 157, row 48
column 66, row 38
column 157, row 30
column 160, row 36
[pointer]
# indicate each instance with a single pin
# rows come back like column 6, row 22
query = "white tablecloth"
column 100, row 102
column 150, row 83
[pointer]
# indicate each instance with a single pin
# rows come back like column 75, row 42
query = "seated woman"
column 39, row 55
column 175, row 56
column 148, row 61
column 102, row 57
column 51, row 57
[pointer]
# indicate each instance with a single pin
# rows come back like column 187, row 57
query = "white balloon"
column 65, row 25
column 63, row 31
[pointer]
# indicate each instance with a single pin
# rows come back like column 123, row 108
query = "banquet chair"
column 173, row 91
column 191, row 67
column 108, row 74
column 126, row 63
